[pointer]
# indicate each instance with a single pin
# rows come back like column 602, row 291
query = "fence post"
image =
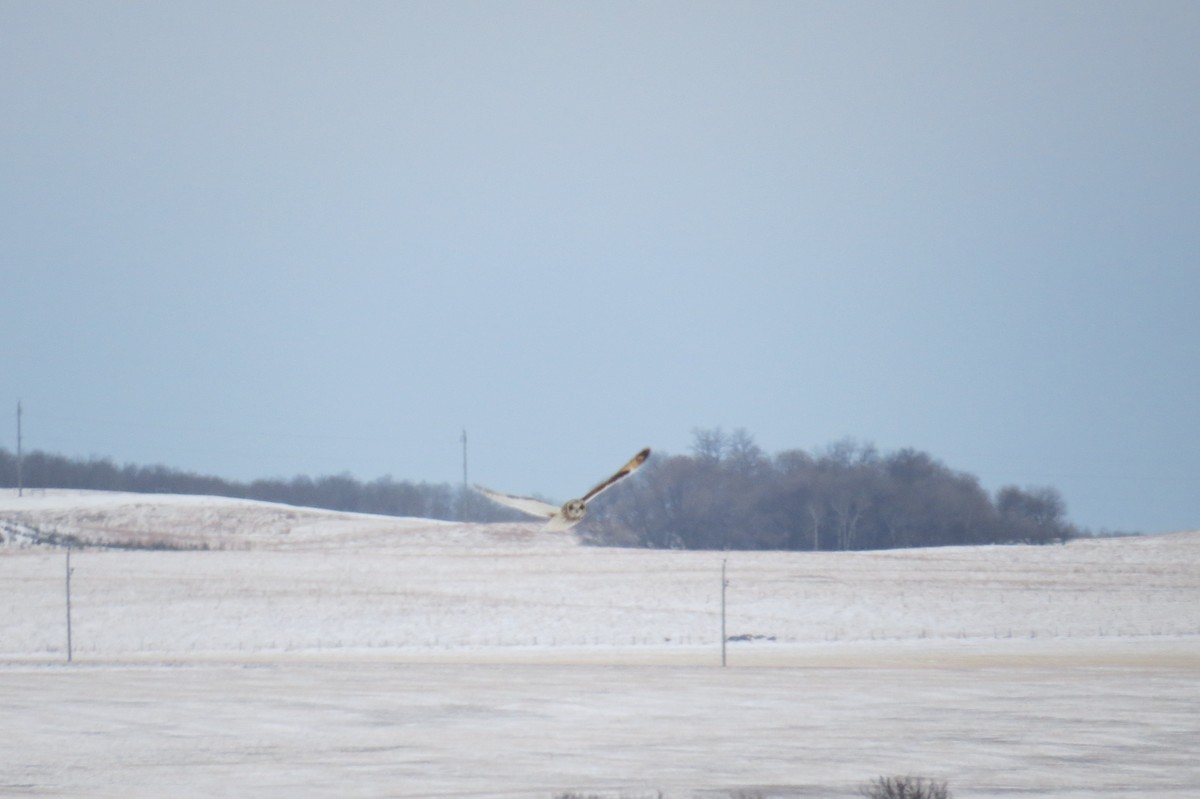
column 69, row 653
column 724, row 638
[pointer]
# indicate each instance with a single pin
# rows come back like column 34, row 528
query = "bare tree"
column 1034, row 515
column 709, row 445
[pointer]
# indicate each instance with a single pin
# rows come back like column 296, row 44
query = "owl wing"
column 626, row 470
column 534, row 507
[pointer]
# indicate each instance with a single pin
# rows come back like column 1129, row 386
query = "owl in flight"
column 571, row 513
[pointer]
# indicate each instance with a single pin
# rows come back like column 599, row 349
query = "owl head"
column 574, row 509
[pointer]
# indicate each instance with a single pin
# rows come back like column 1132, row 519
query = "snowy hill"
column 255, row 577
column 163, row 521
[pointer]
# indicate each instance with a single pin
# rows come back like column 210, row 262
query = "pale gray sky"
column 274, row 238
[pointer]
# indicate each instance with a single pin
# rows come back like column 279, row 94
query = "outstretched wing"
column 534, row 507
column 626, row 470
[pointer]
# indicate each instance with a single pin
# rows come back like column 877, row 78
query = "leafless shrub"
column 904, row 788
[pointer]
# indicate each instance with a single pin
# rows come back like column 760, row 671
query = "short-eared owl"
column 571, row 513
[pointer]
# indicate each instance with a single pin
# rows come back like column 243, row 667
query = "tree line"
column 728, row 494
column 341, row 492
column 725, row 494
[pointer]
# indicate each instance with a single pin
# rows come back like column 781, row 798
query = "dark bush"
column 904, row 788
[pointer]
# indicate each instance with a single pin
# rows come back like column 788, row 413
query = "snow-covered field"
column 290, row 652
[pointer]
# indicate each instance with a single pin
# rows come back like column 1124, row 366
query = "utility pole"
column 724, row 639
column 20, row 483
column 68, row 603
column 464, row 443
